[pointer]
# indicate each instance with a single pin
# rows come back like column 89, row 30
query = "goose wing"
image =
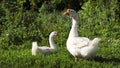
column 45, row 49
column 80, row 42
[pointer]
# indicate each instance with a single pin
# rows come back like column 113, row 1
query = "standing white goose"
column 44, row 49
column 79, row 46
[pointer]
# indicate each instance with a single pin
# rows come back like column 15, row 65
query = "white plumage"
column 80, row 46
column 44, row 49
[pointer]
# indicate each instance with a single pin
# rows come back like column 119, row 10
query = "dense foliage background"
column 25, row 21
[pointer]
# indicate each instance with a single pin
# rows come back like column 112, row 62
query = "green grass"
column 22, row 58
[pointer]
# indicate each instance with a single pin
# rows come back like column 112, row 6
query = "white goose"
column 79, row 46
column 44, row 49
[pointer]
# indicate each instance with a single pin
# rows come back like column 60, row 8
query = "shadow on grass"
column 101, row 59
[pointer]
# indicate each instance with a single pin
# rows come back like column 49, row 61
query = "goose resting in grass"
column 79, row 46
column 44, row 49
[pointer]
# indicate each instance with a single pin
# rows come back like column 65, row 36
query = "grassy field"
column 19, row 29
column 107, row 57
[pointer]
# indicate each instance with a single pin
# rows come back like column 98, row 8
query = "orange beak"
column 67, row 12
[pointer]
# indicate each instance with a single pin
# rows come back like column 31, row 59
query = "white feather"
column 44, row 49
column 80, row 46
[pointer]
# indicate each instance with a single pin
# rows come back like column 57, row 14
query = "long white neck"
column 52, row 44
column 74, row 28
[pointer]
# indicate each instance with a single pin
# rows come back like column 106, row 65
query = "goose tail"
column 95, row 41
column 34, row 48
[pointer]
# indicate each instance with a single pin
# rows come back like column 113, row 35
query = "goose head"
column 71, row 13
column 54, row 33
